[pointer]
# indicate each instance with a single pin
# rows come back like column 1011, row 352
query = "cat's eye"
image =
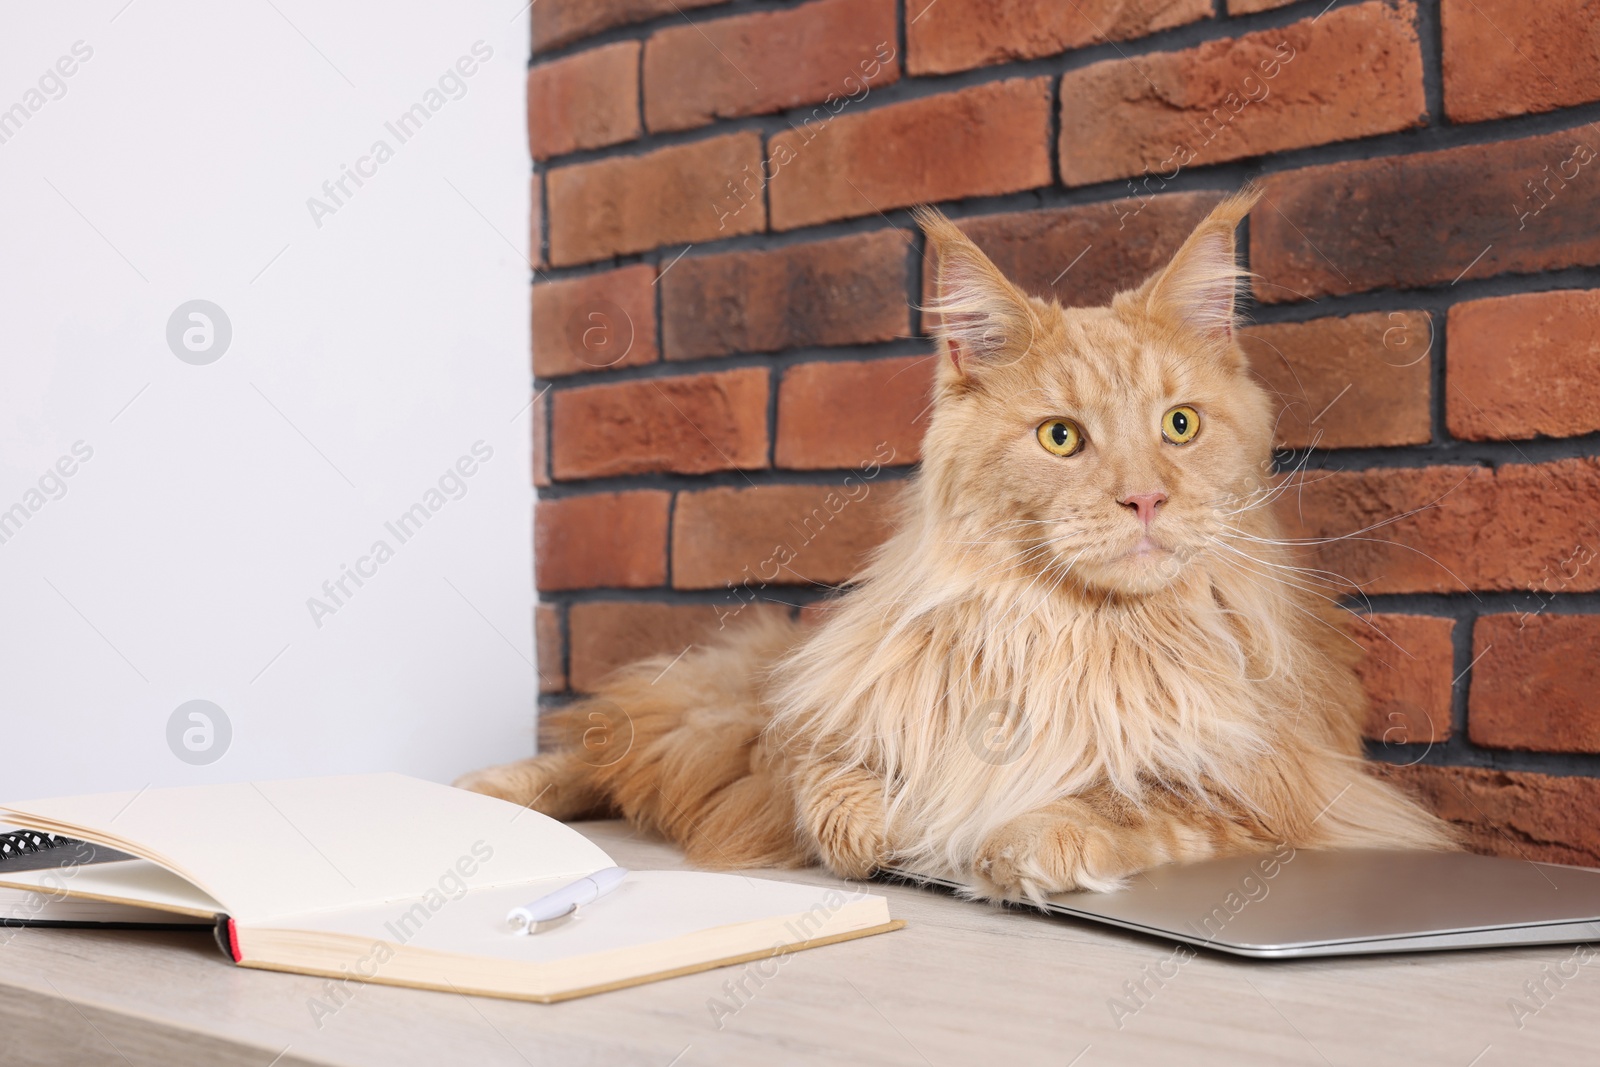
column 1180, row 425
column 1060, row 436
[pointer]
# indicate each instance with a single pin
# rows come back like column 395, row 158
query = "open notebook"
column 385, row 878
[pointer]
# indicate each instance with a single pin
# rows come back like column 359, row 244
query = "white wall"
column 373, row 347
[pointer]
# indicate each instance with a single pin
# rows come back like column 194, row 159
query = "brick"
column 1250, row 7
column 595, row 322
column 587, row 100
column 1504, row 529
column 541, row 439
column 1406, row 222
column 836, row 415
column 635, row 203
column 1353, row 382
column 765, row 62
column 611, row 634
column 851, row 290
column 1508, row 57
column 1503, row 813
column 1407, row 672
column 1525, row 366
column 982, row 141
column 1082, row 255
column 551, row 655
column 603, row 540
column 560, row 22
column 687, row 425
column 1537, row 683
column 950, row 35
column 1353, row 73
column 779, row 534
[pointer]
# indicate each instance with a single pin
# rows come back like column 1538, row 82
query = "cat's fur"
column 1013, row 694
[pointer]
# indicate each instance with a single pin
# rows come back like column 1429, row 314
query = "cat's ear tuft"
column 1199, row 288
column 982, row 318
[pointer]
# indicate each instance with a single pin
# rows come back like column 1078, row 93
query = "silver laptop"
column 1291, row 904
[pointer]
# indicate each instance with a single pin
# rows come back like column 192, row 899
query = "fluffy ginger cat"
column 1086, row 650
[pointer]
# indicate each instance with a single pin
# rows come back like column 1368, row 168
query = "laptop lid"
column 1312, row 903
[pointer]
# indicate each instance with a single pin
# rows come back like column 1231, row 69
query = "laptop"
column 1293, row 903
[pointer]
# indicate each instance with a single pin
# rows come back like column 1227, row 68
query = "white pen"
column 566, row 899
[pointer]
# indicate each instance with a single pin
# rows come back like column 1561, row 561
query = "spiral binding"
column 26, row 842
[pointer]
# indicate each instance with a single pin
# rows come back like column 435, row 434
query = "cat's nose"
column 1145, row 504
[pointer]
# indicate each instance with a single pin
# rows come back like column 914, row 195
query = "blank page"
column 648, row 907
column 279, row 848
column 137, row 882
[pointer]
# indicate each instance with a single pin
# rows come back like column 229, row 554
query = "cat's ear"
column 982, row 318
column 1199, row 288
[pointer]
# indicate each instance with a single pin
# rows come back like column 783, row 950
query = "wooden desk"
column 962, row 984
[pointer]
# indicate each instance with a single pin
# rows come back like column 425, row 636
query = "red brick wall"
column 731, row 381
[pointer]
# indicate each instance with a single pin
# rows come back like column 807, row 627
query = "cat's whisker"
column 1275, row 586
column 1019, row 538
column 1294, row 478
column 1425, row 555
column 996, row 541
column 1288, row 479
column 1018, row 601
column 1253, row 500
column 1243, row 565
column 1008, row 559
column 1317, row 580
column 1300, row 499
column 996, row 529
column 1314, row 581
column 1245, row 572
column 1332, row 577
column 1040, row 548
column 1032, row 553
column 1356, row 535
column 1367, row 604
column 1341, row 537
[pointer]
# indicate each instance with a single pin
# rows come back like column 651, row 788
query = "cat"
column 1085, row 650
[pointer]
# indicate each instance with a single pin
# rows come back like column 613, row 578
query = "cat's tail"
column 675, row 746
column 1369, row 812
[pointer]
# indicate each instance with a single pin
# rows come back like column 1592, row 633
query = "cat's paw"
column 554, row 784
column 498, row 782
column 1036, row 855
column 849, row 824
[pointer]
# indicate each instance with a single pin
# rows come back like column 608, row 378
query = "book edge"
column 605, row 987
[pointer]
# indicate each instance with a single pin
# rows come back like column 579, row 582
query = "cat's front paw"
column 1036, row 855
column 494, row 782
column 555, row 784
column 849, row 824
